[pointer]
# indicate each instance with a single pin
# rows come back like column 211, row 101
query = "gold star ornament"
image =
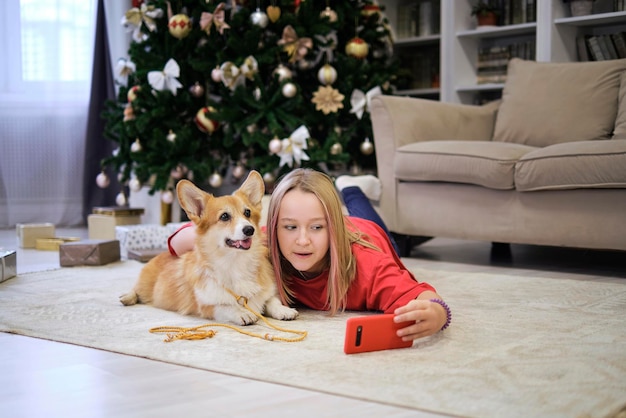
column 327, row 99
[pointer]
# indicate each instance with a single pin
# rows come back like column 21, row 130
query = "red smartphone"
column 373, row 333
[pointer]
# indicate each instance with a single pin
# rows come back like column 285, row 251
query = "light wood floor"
column 40, row 378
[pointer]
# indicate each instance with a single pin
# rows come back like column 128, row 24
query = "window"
column 48, row 48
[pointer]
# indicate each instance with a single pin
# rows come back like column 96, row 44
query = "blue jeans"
column 359, row 206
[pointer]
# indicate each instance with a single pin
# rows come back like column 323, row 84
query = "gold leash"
column 199, row 333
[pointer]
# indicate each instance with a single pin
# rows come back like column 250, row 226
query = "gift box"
column 145, row 255
column 89, row 253
column 27, row 234
column 8, row 265
column 53, row 244
column 103, row 226
column 117, row 211
column 141, row 237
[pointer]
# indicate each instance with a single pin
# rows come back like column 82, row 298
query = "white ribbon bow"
column 293, row 147
column 166, row 79
column 361, row 101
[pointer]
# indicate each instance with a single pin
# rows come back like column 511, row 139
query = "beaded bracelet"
column 448, row 312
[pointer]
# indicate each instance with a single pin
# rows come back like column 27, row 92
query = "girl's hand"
column 428, row 316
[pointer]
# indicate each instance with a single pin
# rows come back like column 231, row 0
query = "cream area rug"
column 517, row 347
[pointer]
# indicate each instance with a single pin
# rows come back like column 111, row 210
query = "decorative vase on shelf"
column 581, row 7
column 487, row 19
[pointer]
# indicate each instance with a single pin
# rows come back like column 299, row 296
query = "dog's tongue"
column 244, row 243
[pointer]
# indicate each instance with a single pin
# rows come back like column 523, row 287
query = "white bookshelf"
column 553, row 36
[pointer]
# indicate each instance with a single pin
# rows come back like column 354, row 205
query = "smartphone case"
column 373, row 333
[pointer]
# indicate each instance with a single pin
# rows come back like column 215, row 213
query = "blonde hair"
column 342, row 267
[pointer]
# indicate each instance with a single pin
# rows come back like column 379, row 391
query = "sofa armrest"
column 398, row 121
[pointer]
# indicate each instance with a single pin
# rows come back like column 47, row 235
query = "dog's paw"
column 129, row 298
column 285, row 313
column 277, row 310
column 235, row 315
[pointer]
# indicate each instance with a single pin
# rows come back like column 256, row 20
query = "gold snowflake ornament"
column 327, row 99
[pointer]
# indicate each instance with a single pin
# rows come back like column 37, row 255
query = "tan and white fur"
column 229, row 254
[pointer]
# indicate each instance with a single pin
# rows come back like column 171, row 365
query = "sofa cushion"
column 620, row 120
column 485, row 163
column 573, row 165
column 549, row 103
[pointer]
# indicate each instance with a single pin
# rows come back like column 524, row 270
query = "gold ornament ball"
column 204, row 123
column 370, row 9
column 179, row 26
column 327, row 74
column 289, row 90
column 336, row 148
column 367, row 148
column 330, row 14
column 357, row 48
column 196, row 90
column 215, row 180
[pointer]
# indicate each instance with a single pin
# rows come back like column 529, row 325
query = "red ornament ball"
column 204, row 123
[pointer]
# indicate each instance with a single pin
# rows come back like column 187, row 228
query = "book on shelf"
column 515, row 12
column 605, row 47
column 418, row 19
column 619, row 40
column 492, row 63
column 582, row 46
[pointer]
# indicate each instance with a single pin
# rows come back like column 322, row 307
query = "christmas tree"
column 212, row 89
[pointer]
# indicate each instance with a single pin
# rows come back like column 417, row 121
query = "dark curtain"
column 97, row 146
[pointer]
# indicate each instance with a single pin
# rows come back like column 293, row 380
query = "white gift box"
column 141, row 237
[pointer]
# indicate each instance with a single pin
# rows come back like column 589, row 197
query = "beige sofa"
column 545, row 165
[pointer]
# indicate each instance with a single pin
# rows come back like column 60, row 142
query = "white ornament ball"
column 283, row 73
column 259, row 18
column 120, row 199
column 167, row 197
column 330, row 14
column 336, row 148
column 134, row 184
column 239, row 171
column 367, row 147
column 256, row 94
column 136, row 146
column 215, row 180
column 275, row 146
column 171, row 136
column 327, row 74
column 269, row 179
column 102, row 180
column 216, row 75
column 289, row 90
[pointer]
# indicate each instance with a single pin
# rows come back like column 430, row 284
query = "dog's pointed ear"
column 253, row 187
column 192, row 199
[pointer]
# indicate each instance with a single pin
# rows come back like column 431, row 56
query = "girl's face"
column 302, row 232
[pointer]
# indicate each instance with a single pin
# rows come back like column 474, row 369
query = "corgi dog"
column 229, row 260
